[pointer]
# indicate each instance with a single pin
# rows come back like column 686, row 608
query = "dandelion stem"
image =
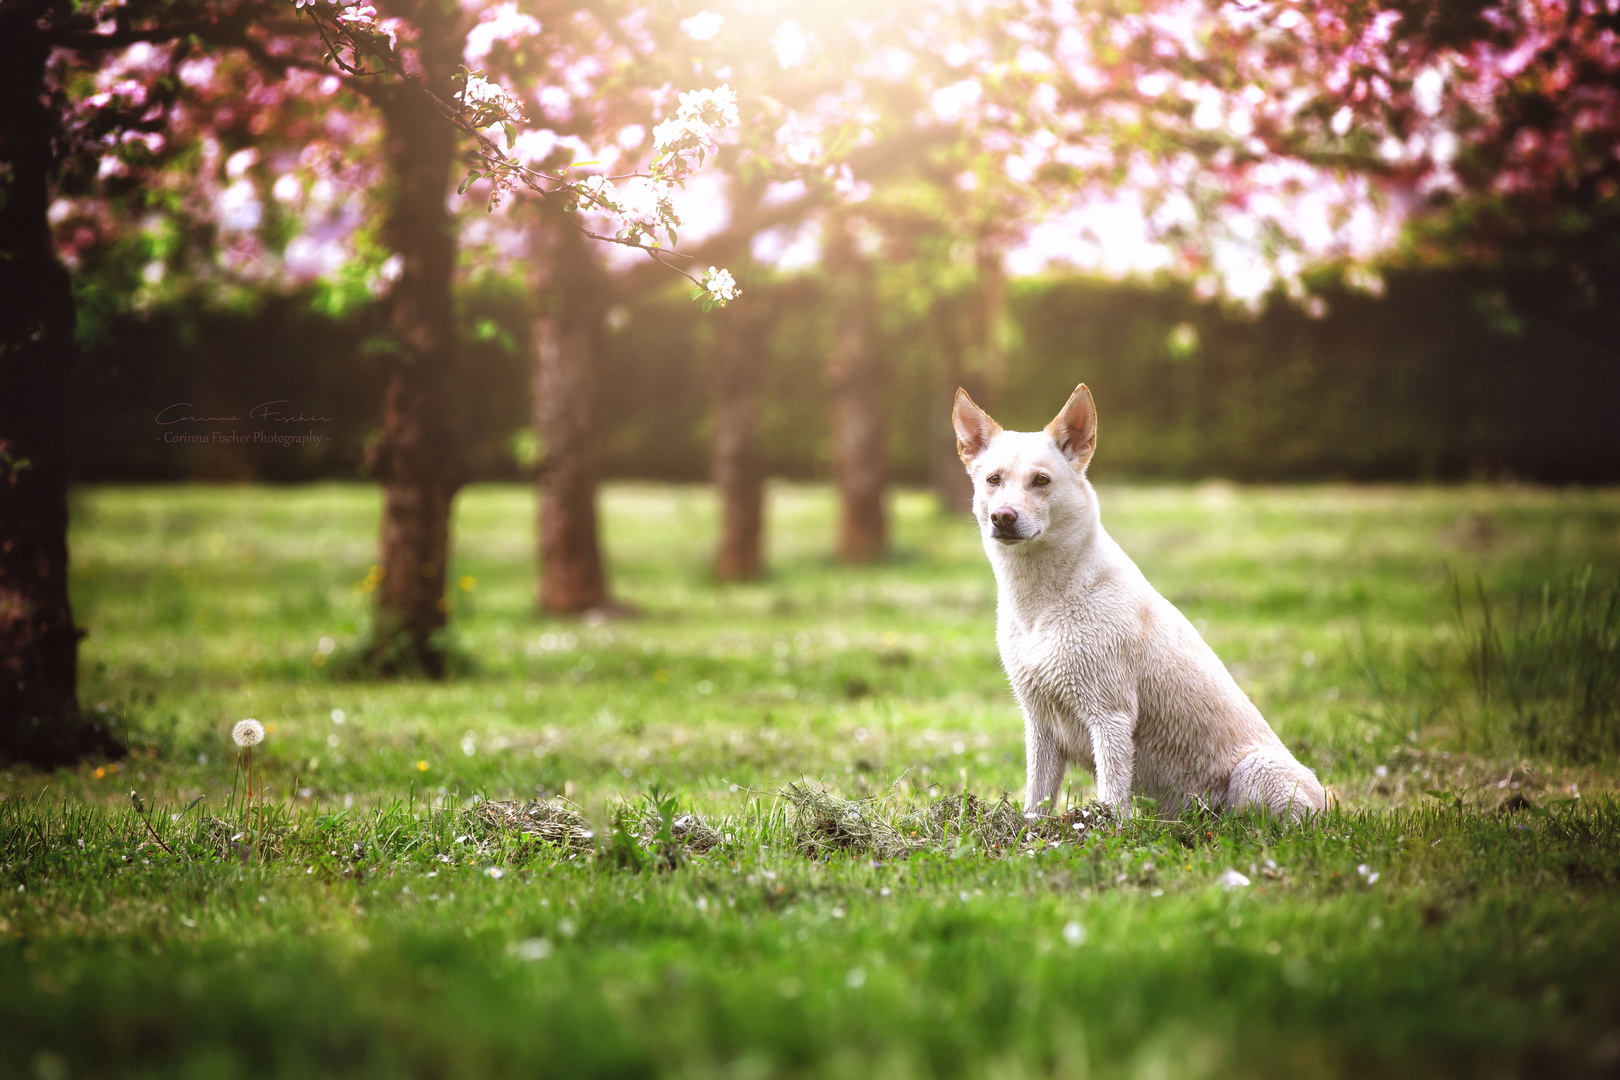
column 258, row 836
column 247, row 799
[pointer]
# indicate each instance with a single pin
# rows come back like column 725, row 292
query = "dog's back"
column 1109, row 673
column 1194, row 717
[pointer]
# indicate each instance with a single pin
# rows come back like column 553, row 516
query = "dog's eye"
column 1040, row 480
column 993, row 479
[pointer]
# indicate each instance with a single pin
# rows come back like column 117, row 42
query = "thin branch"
column 488, row 152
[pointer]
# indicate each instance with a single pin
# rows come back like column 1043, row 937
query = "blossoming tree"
column 1244, row 140
column 1234, row 145
column 596, row 93
column 423, row 104
column 856, row 149
column 639, row 214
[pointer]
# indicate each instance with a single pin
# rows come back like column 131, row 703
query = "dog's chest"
column 1061, row 655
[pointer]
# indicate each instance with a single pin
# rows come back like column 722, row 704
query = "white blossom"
column 647, row 204
column 247, row 733
column 491, row 103
column 791, row 44
column 717, row 106
column 363, row 19
column 702, row 115
column 601, row 192
column 703, row 26
column 680, row 133
column 721, row 286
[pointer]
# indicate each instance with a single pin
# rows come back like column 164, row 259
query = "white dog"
column 1108, row 672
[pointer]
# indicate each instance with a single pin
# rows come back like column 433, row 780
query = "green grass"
column 377, row 933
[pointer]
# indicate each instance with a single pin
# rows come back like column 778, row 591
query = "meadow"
column 718, row 890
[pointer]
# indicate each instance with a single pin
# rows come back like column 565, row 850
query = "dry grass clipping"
column 560, row 823
column 554, row 821
column 884, row 827
column 229, row 840
column 689, row 831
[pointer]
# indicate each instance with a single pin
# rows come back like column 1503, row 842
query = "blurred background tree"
column 42, row 44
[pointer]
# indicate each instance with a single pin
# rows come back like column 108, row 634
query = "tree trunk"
column 953, row 491
column 418, row 458
column 40, row 722
column 567, row 332
column 857, row 374
column 973, row 344
column 737, row 359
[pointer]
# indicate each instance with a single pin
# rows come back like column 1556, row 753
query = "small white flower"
column 645, row 205
column 495, row 872
column 363, row 19
column 535, row 948
column 717, row 107
column 247, row 733
column 601, row 191
column 492, row 102
column 1231, row 879
column 680, row 133
column 1074, row 934
column 721, row 285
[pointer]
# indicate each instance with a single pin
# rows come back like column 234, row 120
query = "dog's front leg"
column 1113, row 749
column 1043, row 767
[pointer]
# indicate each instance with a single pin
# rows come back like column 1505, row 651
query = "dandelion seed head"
column 247, row 733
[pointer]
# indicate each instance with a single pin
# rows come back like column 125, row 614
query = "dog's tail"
column 1270, row 778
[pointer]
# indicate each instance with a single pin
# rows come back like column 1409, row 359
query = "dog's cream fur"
column 1108, row 672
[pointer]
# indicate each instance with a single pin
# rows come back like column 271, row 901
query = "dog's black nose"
column 1004, row 518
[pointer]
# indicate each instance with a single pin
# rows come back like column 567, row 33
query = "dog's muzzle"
column 1006, row 527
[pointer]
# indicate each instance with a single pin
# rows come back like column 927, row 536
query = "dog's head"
column 1026, row 483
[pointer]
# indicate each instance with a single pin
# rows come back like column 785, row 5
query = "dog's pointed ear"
column 1074, row 429
column 974, row 428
